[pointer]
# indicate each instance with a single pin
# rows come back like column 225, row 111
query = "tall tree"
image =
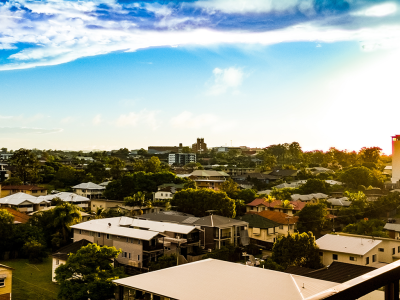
column 298, row 249
column 88, row 274
column 6, row 231
column 26, row 165
column 312, row 218
column 116, row 167
column 66, row 215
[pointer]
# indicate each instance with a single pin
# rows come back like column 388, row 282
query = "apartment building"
column 181, row 158
column 209, row 179
column 141, row 241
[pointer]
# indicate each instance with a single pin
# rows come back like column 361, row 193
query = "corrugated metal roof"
column 66, row 197
column 390, row 226
column 215, row 280
column 18, row 198
column 156, row 226
column 346, row 244
column 89, row 186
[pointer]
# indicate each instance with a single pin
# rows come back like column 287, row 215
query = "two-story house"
column 266, row 226
column 260, row 204
column 141, row 241
column 33, row 190
column 209, row 179
column 167, row 191
column 89, row 190
column 78, row 200
column 24, row 202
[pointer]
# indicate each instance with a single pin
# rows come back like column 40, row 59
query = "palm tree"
column 269, row 199
column 99, row 214
column 65, row 215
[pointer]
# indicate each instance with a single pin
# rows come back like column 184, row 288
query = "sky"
column 106, row 74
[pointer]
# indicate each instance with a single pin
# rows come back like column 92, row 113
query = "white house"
column 89, row 190
column 24, row 202
column 78, row 200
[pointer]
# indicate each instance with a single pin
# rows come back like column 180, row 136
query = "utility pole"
column 288, row 218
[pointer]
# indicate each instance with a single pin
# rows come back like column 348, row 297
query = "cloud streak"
column 54, row 32
column 28, row 130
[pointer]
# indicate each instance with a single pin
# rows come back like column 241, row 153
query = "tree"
column 298, row 249
column 186, row 149
column 26, row 165
column 34, row 250
column 372, row 227
column 370, row 155
column 197, row 202
column 116, row 167
column 88, row 274
column 356, row 176
column 163, row 262
column 139, row 199
column 230, row 187
column 247, row 195
column 153, row 165
column 67, row 176
column 65, row 215
column 315, row 185
column 56, row 201
column 6, row 231
column 312, row 218
column 97, row 170
column 282, row 194
column 13, row 181
column 142, row 152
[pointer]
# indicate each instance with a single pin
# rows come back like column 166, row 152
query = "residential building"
column 358, row 249
column 266, row 226
column 310, row 198
column 85, row 158
column 339, row 202
column 104, row 203
column 199, row 146
column 393, row 230
column 78, row 200
column 395, row 158
column 284, row 173
column 4, row 173
column 292, row 185
column 319, row 170
column 105, row 183
column 260, row 204
column 33, row 190
column 5, row 282
column 167, row 191
column 181, row 158
column 24, row 202
column 213, row 279
column 218, row 231
column 387, row 171
column 19, row 217
column 60, row 257
column 266, row 178
column 89, row 190
column 5, row 156
column 209, row 179
column 141, row 241
column 235, row 171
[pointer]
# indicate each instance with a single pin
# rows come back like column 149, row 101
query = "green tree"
column 6, row 231
column 186, row 149
column 312, row 218
column 34, row 250
column 142, row 152
column 247, row 195
column 26, row 165
column 230, row 187
column 65, row 215
column 67, row 176
column 89, row 274
column 372, row 227
column 298, row 249
column 13, row 181
column 370, row 155
column 283, row 194
column 163, row 262
column 116, row 167
column 97, row 170
column 315, row 185
column 356, row 176
column 197, row 202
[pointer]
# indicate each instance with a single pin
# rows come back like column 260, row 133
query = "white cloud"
column 97, row 119
column 378, row 10
column 143, row 117
column 67, row 120
column 225, row 80
column 188, row 120
column 28, row 130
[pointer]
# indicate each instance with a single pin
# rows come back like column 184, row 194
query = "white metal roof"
column 215, row 280
column 102, row 225
column 89, row 186
column 390, row 226
column 67, row 197
column 344, row 201
column 346, row 244
column 19, row 198
column 309, row 196
column 156, row 226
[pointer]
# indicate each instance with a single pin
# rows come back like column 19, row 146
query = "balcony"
column 224, row 236
column 152, row 247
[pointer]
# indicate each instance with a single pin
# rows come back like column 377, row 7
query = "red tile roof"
column 297, row 205
column 278, row 217
column 22, row 187
column 18, row 216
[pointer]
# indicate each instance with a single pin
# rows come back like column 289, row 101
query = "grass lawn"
column 32, row 281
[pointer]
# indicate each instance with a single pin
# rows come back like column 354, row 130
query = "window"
column 132, row 241
column 394, row 251
column 352, row 258
column 374, row 258
column 57, row 262
column 398, row 249
column 129, row 256
column 93, row 205
column 107, row 236
column 321, row 253
column 280, row 226
column 138, row 242
column 127, row 240
column 138, row 257
column 2, row 282
column 80, row 231
column 124, row 254
column 381, row 250
column 98, row 234
column 367, row 261
column 334, row 257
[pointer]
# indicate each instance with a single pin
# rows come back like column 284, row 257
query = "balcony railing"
column 224, row 236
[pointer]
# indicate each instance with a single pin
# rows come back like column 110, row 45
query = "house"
column 291, row 185
column 24, row 202
column 217, row 232
column 167, row 191
column 87, row 159
column 284, row 173
column 5, row 282
column 4, row 173
column 235, row 171
column 104, row 203
column 141, row 241
column 181, row 158
column 19, row 217
column 5, row 156
column 339, row 202
column 266, row 178
column 266, row 226
column 89, row 190
column 209, row 179
column 213, row 279
column 260, row 204
column 60, row 257
column 319, row 170
column 105, row 183
column 80, row 201
column 393, row 230
column 33, row 190
column 310, row 198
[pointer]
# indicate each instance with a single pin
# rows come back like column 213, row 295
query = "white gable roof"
column 308, row 197
column 213, row 279
column 346, row 244
column 19, row 198
column 89, row 186
column 66, row 197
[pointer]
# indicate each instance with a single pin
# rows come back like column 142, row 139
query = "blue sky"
column 110, row 74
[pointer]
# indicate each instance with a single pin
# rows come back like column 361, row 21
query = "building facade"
column 181, row 158
column 395, row 158
column 199, row 146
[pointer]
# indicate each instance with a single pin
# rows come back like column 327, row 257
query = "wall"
column 102, row 203
column 4, row 291
column 345, row 257
column 395, row 161
column 55, row 266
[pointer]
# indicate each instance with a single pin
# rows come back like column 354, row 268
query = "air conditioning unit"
column 209, row 250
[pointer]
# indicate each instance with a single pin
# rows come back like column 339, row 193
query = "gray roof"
column 391, row 226
column 66, row 197
column 89, row 186
column 213, row 279
column 346, row 244
column 309, row 196
column 339, row 201
column 209, row 173
column 19, row 198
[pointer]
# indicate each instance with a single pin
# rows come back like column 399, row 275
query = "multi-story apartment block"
column 181, row 158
